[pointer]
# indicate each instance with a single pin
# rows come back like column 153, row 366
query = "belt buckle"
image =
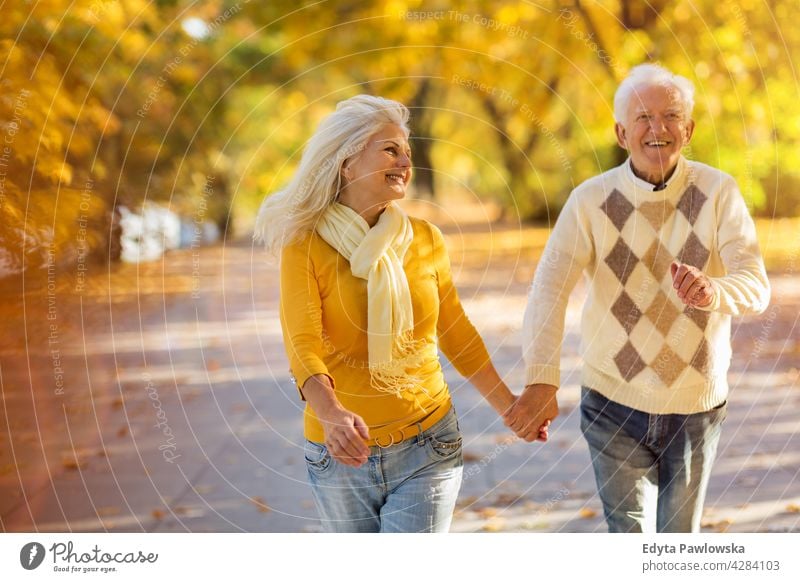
column 380, row 446
column 401, row 436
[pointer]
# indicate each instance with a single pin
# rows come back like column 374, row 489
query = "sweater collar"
column 644, row 189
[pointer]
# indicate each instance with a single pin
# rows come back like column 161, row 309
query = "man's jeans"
column 647, row 461
column 408, row 487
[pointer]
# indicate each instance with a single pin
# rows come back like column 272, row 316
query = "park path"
column 165, row 405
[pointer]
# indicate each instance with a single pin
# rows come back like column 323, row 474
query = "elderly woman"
column 670, row 254
column 367, row 296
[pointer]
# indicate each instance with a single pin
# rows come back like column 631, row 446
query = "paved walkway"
column 166, row 406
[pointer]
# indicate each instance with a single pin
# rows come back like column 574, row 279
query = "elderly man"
column 670, row 254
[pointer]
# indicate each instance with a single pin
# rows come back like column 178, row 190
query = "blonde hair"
column 293, row 211
column 650, row 74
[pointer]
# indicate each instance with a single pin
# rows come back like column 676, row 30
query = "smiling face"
column 655, row 130
column 379, row 174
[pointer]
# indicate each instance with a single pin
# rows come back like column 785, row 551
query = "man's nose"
column 657, row 124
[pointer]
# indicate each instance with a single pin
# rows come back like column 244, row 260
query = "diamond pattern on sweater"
column 698, row 316
column 662, row 312
column 618, row 208
column 626, row 312
column 622, row 260
column 656, row 213
column 693, row 252
column 691, row 203
column 629, row 362
column 668, row 365
column 700, row 359
column 646, row 307
column 657, row 259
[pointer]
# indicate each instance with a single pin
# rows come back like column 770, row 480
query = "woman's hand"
column 345, row 431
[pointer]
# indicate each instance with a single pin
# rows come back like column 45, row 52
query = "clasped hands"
column 532, row 412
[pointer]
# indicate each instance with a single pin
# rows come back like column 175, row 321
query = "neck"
column 370, row 214
column 651, row 178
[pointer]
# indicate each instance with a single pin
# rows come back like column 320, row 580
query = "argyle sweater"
column 641, row 346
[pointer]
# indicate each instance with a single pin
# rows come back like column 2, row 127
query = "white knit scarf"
column 376, row 254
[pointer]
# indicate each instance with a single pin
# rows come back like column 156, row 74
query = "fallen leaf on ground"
column 262, row 506
column 793, row 508
column 720, row 526
column 73, row 461
column 494, row 525
column 723, row 525
column 507, row 498
column 487, row 512
column 587, row 513
column 110, row 510
column 466, row 501
column 158, row 514
column 471, row 457
column 189, row 511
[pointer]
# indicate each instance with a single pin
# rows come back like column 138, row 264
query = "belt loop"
column 420, row 438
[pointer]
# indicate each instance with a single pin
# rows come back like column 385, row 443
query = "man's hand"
column 345, row 433
column 531, row 414
column 692, row 285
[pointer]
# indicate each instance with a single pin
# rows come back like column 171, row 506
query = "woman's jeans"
column 647, row 461
column 408, row 487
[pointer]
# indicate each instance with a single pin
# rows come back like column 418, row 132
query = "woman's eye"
column 392, row 151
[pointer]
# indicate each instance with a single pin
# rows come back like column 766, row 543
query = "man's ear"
column 689, row 132
column 620, row 131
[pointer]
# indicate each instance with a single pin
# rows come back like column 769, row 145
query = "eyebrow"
column 667, row 112
column 393, row 142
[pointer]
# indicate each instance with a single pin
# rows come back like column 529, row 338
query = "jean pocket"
column 318, row 458
column 445, row 443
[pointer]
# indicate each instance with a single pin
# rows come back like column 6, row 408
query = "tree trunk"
column 421, row 135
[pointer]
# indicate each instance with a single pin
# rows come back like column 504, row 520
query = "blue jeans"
column 411, row 486
column 644, row 461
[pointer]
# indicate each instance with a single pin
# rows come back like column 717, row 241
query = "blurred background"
column 138, row 138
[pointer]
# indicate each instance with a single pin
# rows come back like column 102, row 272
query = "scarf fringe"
column 392, row 377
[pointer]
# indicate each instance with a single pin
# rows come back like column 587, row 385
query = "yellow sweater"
column 324, row 320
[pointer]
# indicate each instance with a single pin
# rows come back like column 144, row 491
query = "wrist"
column 501, row 398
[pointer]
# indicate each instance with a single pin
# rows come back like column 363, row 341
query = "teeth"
column 657, row 143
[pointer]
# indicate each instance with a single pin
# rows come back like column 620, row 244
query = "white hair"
column 648, row 75
column 289, row 213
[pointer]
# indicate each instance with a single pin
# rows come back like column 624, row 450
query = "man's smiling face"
column 655, row 130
